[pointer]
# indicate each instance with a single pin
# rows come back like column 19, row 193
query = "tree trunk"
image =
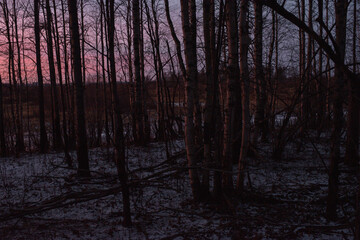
column 81, row 138
column 21, row 143
column 353, row 121
column 57, row 141
column 107, row 131
column 139, row 111
column 43, row 135
column 261, row 124
column 68, row 87
column 62, row 92
column 3, row 149
column 245, row 82
column 232, row 89
column 210, row 54
column 341, row 12
column 119, row 140
column 15, row 94
column 187, row 10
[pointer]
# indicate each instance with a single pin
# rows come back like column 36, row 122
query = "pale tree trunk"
column 43, row 136
column 119, row 140
column 261, row 125
column 245, row 82
column 57, row 141
column 231, row 90
column 81, row 138
column 190, row 85
column 341, row 12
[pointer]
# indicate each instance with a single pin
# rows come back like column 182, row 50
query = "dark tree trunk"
column 353, row 121
column 190, row 86
column 245, row 82
column 20, row 128
column 81, row 138
column 3, row 149
column 341, row 12
column 107, row 131
column 14, row 90
column 139, row 111
column 232, row 89
column 43, row 136
column 261, row 124
column 57, row 141
column 119, row 140
column 62, row 92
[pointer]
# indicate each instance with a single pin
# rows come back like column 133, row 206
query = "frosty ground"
column 40, row 198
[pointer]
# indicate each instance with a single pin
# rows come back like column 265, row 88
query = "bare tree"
column 119, row 141
column 19, row 124
column 57, row 141
column 139, row 111
column 62, row 91
column 3, row 148
column 188, row 10
column 245, row 82
column 232, row 88
column 353, row 120
column 341, row 13
column 14, row 89
column 261, row 95
column 81, row 139
column 43, row 135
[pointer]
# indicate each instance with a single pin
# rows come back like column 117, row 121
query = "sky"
column 288, row 38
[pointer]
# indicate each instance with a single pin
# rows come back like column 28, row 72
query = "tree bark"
column 210, row 54
column 3, row 148
column 245, row 82
column 233, row 78
column 261, row 124
column 341, row 12
column 81, row 138
column 119, row 141
column 62, row 92
column 139, row 111
column 43, row 136
column 190, row 86
column 57, row 141
column 353, row 121
column 14, row 90
column 21, row 143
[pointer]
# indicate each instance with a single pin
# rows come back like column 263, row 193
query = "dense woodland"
column 238, row 81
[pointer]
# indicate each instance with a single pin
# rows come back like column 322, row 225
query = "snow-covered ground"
column 284, row 199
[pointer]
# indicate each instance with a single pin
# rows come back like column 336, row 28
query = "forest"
column 179, row 119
